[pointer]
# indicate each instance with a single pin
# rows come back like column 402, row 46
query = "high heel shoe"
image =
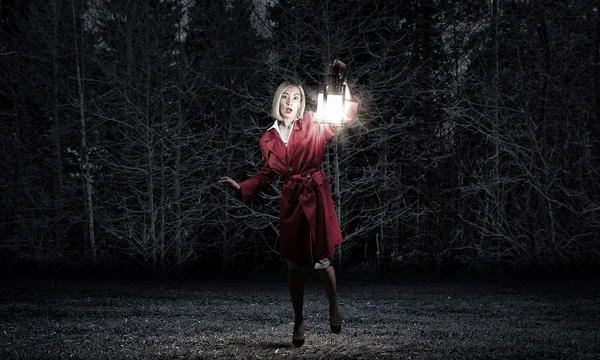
column 298, row 336
column 334, row 314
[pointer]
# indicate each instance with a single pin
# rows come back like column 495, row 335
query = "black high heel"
column 336, row 329
column 296, row 340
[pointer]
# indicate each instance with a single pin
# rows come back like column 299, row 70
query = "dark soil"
column 253, row 320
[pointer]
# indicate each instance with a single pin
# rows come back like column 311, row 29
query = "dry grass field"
column 253, row 320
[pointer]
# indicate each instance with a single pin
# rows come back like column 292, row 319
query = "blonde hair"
column 277, row 99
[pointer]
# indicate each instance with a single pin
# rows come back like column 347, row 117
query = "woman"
column 293, row 148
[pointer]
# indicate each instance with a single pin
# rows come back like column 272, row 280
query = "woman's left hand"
column 337, row 64
column 340, row 67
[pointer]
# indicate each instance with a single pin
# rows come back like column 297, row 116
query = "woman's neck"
column 287, row 122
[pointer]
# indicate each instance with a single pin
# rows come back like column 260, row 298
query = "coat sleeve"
column 262, row 178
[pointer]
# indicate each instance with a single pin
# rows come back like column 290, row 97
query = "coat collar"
column 297, row 125
column 275, row 144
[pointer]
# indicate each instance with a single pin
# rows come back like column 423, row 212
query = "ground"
column 252, row 319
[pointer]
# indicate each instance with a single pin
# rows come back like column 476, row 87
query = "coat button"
column 308, row 176
column 303, row 162
column 290, row 169
column 301, row 195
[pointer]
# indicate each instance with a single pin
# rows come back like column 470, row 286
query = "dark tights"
column 296, row 286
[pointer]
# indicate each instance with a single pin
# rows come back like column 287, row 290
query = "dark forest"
column 476, row 145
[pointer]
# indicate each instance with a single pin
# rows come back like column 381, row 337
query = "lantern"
column 330, row 99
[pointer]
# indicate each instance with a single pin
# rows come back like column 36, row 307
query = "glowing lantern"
column 330, row 99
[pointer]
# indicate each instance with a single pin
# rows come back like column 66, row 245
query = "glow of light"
column 331, row 110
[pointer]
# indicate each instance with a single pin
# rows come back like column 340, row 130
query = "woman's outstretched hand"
column 337, row 64
column 227, row 179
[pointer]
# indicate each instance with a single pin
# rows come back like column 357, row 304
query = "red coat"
column 309, row 228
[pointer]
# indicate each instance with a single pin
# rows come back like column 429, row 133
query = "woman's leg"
column 327, row 276
column 296, row 286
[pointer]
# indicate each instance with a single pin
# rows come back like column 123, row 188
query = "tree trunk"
column 338, row 201
column 59, row 181
column 163, row 185
column 225, row 246
column 496, row 114
column 383, row 214
column 151, row 211
column 129, row 45
column 177, row 185
column 547, row 208
column 84, row 162
column 597, row 66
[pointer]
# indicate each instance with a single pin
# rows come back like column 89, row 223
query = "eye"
column 296, row 97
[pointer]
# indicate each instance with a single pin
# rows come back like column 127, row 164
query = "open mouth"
column 288, row 111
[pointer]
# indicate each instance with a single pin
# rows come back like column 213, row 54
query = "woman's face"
column 290, row 102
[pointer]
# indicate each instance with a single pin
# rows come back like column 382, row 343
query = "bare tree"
column 515, row 215
column 475, row 144
column 148, row 148
column 84, row 161
column 43, row 195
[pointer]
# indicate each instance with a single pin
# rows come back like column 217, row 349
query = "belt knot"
column 306, row 178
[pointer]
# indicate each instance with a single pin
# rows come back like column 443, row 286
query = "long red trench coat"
column 309, row 228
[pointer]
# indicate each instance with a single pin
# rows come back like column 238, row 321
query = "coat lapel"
column 274, row 146
column 296, row 138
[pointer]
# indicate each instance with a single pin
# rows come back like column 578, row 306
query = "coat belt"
column 307, row 178
column 299, row 176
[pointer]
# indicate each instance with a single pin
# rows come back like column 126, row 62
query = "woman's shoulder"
column 268, row 135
